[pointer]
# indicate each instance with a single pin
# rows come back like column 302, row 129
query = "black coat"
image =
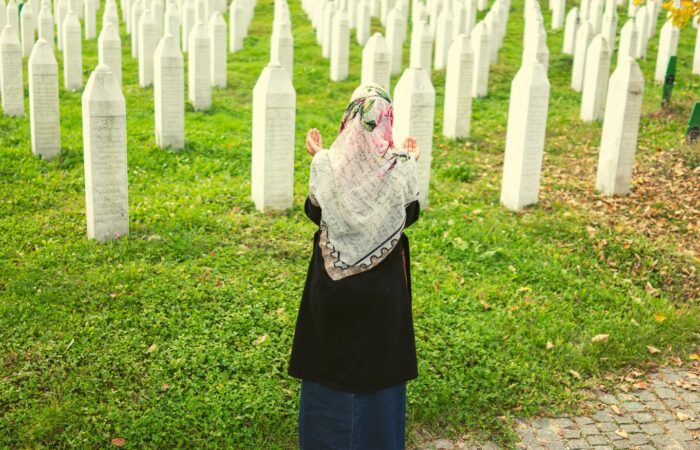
column 356, row 334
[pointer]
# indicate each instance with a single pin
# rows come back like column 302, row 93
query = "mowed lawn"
column 180, row 334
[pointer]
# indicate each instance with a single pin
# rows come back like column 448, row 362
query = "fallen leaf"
column 575, row 374
column 152, row 348
column 260, row 340
column 682, row 416
column 485, row 305
column 694, row 357
column 600, row 338
column 659, row 317
column 616, row 409
column 635, row 323
column 166, row 386
column 549, row 345
column 119, row 442
column 622, row 433
column 652, row 350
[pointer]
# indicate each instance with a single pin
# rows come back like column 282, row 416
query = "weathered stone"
column 217, row 39
column 595, row 82
column 584, row 35
column 480, row 41
column 340, row 46
column 458, row 89
column 199, row 68
column 169, row 94
column 44, row 116
column 72, row 53
column 109, row 51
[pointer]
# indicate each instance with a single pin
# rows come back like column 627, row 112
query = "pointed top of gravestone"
column 274, row 83
column 377, row 43
column 167, row 49
column 71, row 20
column 103, row 94
column 109, row 32
column 461, row 44
column 9, row 37
column 42, row 55
column 532, row 73
column 216, row 20
column 27, row 11
column 599, row 41
column 415, row 80
column 628, row 69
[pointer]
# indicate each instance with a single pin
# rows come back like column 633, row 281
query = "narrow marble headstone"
column 668, row 46
column 609, row 26
column 3, row 15
column 595, row 15
column 527, row 125
column 327, row 34
column 217, row 38
column 169, row 94
column 537, row 47
column 696, row 54
column 45, row 23
column 620, row 127
column 595, row 80
column 414, row 115
column 481, row 47
column 27, row 22
column 481, row 5
column 187, row 16
column 282, row 46
column 376, row 62
column 653, row 8
column 584, row 35
column 112, row 16
column 72, row 53
column 570, row 29
column 12, row 11
column 641, row 22
column 395, row 37
column 628, row 42
column 137, row 11
column 274, row 111
column 90, row 20
column 148, row 41
column 459, row 21
column 77, row 7
column 104, row 153
column 363, row 22
column 340, row 46
column 558, row 14
column 421, row 47
column 109, row 51
column 44, row 117
column 199, row 68
column 171, row 22
column 11, row 77
column 632, row 8
column 61, row 12
column 443, row 38
column 458, row 89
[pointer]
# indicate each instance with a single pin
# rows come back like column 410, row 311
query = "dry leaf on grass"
column 119, row 442
column 600, row 338
column 652, row 349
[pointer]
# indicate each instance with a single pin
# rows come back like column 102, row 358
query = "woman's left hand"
column 314, row 141
column 411, row 147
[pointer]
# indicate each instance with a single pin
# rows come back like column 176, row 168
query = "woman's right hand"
column 410, row 146
column 314, row 141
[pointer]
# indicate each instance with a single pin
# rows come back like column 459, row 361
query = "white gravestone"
column 570, row 29
column 640, row 21
column 609, row 27
column 480, row 46
column 187, row 13
column 696, row 54
column 628, row 42
column 169, row 94
column 11, row 77
column 481, row 5
column 217, row 38
column 558, row 14
column 61, row 12
column 376, row 62
column 619, row 139
column 274, row 111
column 458, row 89
column 595, row 80
column 199, row 68
column 414, row 115
column 171, row 22
column 395, row 37
column 104, row 153
column 148, row 41
column 631, row 8
column 77, row 7
column 585, row 6
column 584, row 35
column 237, row 26
column 282, row 46
column 668, row 46
column 363, row 21
column 111, row 16
column 595, row 15
column 340, row 46
column 421, row 47
column 537, row 47
column 90, row 20
column 327, row 35
column 28, row 24
column 527, row 125
column 492, row 28
column 443, row 38
column 109, row 51
column 12, row 12
column 45, row 22
column 137, row 11
column 72, row 53
column 44, row 117
column 459, row 21
column 3, row 15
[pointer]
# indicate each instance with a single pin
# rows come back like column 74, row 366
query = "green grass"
column 152, row 338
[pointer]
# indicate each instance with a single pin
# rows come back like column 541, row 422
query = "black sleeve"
column 412, row 212
column 312, row 211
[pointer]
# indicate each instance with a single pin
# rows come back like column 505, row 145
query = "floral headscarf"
column 363, row 185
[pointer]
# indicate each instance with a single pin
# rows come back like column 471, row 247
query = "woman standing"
column 354, row 347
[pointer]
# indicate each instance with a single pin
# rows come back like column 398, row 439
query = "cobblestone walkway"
column 661, row 412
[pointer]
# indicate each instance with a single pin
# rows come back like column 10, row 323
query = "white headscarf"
column 363, row 185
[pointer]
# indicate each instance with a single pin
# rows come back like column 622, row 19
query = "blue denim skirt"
column 330, row 419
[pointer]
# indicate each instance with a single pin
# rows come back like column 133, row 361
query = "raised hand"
column 314, row 141
column 411, row 147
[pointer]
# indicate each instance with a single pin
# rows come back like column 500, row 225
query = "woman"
column 354, row 347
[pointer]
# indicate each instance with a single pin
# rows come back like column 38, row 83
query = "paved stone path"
column 659, row 412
